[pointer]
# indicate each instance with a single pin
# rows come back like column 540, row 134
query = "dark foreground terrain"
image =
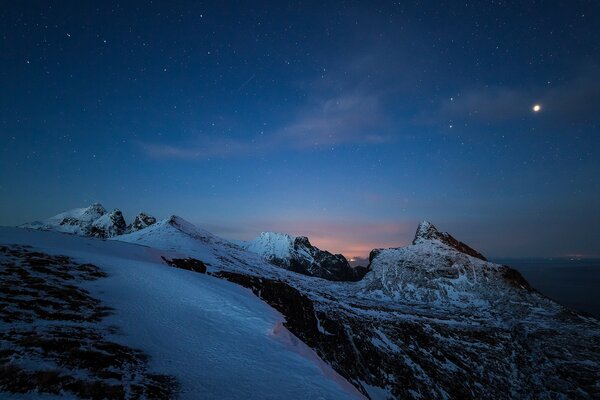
column 53, row 339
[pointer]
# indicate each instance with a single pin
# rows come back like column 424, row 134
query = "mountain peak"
column 427, row 232
column 95, row 209
column 302, row 241
column 299, row 255
column 141, row 221
column 180, row 223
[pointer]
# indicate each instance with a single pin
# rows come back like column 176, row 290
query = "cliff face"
column 299, row 255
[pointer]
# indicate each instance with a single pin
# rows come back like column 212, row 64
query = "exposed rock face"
column 141, row 221
column 189, row 264
column 108, row 225
column 427, row 232
column 77, row 221
column 299, row 255
column 92, row 221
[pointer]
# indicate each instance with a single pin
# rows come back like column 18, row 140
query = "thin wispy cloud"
column 352, row 117
column 349, row 118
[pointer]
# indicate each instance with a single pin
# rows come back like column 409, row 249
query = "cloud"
column 203, row 146
column 350, row 118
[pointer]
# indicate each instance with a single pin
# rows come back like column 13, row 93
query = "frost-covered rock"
column 77, row 221
column 426, row 232
column 141, row 221
column 299, row 255
column 92, row 221
column 108, row 225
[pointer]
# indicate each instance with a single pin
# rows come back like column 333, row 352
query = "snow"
column 215, row 337
column 72, row 221
column 272, row 245
column 466, row 307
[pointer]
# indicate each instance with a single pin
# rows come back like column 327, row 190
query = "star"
column 536, row 108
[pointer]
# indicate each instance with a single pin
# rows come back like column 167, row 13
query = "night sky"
column 348, row 122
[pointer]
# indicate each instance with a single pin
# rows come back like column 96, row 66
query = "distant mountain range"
column 432, row 320
column 92, row 221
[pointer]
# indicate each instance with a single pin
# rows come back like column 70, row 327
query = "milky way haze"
column 344, row 122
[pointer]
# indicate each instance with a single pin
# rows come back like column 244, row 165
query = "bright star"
column 536, row 108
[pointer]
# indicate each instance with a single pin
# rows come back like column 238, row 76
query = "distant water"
column 573, row 283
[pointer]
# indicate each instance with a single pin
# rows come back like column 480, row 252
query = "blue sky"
column 347, row 122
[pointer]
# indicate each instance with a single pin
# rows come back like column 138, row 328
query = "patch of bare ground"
column 52, row 339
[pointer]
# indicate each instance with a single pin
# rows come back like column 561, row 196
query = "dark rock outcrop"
column 108, row 225
column 141, row 221
column 189, row 264
column 321, row 263
column 299, row 255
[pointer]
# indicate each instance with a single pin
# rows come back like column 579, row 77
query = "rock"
column 299, row 255
column 108, row 225
column 426, row 231
column 141, row 221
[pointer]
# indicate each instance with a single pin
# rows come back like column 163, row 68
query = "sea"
column 574, row 283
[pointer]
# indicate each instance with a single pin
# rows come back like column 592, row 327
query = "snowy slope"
column 75, row 221
column 216, row 338
column 272, row 246
column 431, row 320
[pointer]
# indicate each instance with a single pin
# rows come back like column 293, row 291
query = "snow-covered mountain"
column 430, row 320
column 92, row 221
column 427, row 321
column 299, row 255
column 87, row 318
column 438, row 269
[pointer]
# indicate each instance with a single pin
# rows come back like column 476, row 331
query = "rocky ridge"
column 299, row 255
column 93, row 221
column 427, row 321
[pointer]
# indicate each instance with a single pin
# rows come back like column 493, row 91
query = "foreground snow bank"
column 214, row 337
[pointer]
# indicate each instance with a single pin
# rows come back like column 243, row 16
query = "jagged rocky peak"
column 426, row 231
column 108, row 225
column 437, row 268
column 273, row 246
column 80, row 216
column 302, row 241
column 141, row 221
column 92, row 221
column 76, row 221
column 299, row 255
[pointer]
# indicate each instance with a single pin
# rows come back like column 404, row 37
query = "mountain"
column 77, row 221
column 95, row 319
column 426, row 232
column 92, row 221
column 427, row 321
column 108, row 225
column 430, row 320
column 299, row 255
column 141, row 221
